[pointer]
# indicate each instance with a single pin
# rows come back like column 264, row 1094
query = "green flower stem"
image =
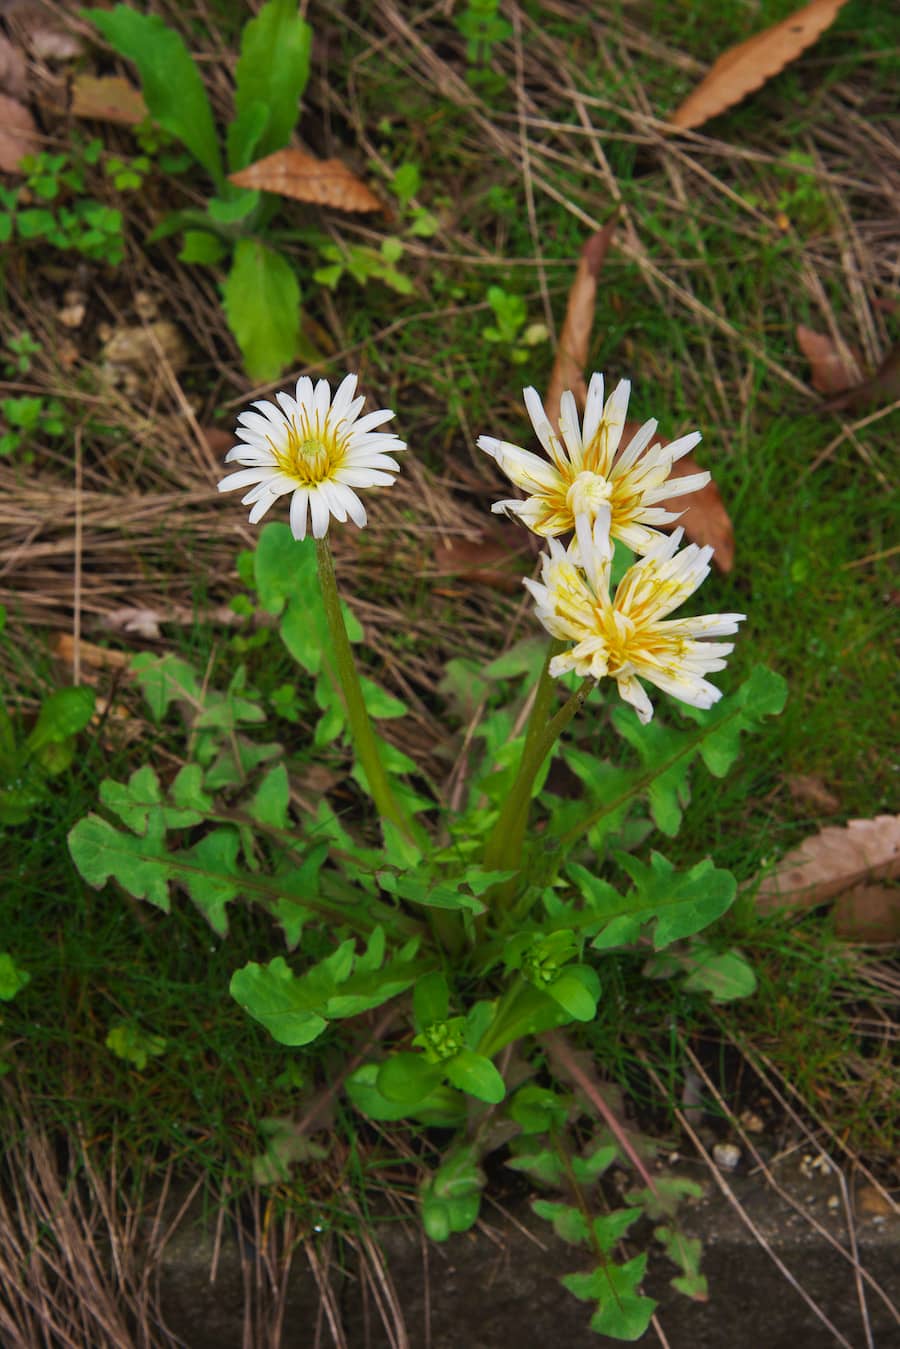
column 357, row 716
column 544, row 698
column 503, row 850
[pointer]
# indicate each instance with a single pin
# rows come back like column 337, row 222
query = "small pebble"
column 726, row 1156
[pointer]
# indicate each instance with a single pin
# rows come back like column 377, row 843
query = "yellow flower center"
column 618, row 632
column 587, row 493
column 309, row 456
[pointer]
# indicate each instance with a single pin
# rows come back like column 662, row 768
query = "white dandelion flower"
column 584, row 473
column 317, row 448
column 629, row 636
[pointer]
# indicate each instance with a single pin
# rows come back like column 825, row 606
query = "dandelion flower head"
column 583, row 473
column 629, row 636
column 317, row 448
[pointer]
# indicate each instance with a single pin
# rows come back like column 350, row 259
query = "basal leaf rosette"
column 628, row 636
column 584, row 471
column 317, row 448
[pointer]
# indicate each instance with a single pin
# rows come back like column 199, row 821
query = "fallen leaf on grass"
column 869, row 913
column 747, row 66
column 704, row 518
column 18, row 134
column 881, row 390
column 324, row 182
column 574, row 340
column 107, row 98
column 484, row 560
column 832, row 862
column 100, row 657
column 808, row 790
column 834, row 367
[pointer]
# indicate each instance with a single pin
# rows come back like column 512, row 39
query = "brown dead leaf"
column 294, row 173
column 832, row 862
column 746, row 67
column 574, row 340
column 811, row 792
column 100, row 657
column 869, row 913
column 834, row 367
column 107, row 98
column 18, row 134
column 704, row 518
column 13, row 70
column 881, row 390
column 218, row 440
column 494, row 562
column 874, row 1203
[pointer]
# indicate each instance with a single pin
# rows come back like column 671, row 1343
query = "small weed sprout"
column 484, row 924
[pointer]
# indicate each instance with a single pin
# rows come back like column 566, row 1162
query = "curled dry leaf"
column 869, row 913
column 18, row 134
column 835, row 366
column 833, row 861
column 294, row 173
column 746, row 67
column 574, row 340
column 107, row 98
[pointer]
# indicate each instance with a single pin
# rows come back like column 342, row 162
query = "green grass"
column 814, row 615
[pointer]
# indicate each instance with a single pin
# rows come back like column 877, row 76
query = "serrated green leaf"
column 211, row 875
column 165, row 679
column 727, row 975
column 62, row 715
column 270, row 801
column 188, row 795
column 284, row 567
column 140, row 865
column 476, row 1075
column 12, row 977
column 668, row 792
column 681, row 902
column 623, row 1313
column 273, row 70
column 569, row 1223
column 287, row 1006
column 588, row 1169
column 663, row 1200
column 610, row 1228
column 543, row 1165
column 716, row 740
column 172, row 88
column 261, row 296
